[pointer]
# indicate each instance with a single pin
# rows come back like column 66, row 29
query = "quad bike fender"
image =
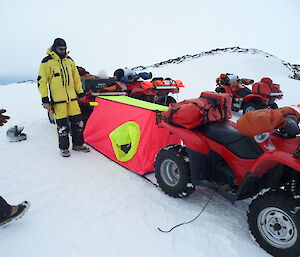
column 255, row 98
column 270, row 159
column 192, row 139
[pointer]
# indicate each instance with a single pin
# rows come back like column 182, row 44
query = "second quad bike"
column 264, row 94
column 137, row 85
column 265, row 168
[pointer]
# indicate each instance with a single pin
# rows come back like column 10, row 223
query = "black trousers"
column 5, row 208
column 73, row 124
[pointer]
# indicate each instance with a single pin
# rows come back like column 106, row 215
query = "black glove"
column 45, row 100
column 81, row 95
column 3, row 118
column 291, row 128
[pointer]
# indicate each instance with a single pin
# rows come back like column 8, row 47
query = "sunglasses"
column 61, row 48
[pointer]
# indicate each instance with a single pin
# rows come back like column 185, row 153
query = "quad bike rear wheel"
column 274, row 221
column 172, row 172
column 250, row 107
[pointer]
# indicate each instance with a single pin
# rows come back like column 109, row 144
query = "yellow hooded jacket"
column 60, row 78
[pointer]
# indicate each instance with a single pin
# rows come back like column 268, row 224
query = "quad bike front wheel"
column 170, row 100
column 274, row 221
column 172, row 172
column 167, row 100
column 274, row 106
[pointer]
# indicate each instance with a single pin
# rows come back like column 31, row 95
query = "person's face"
column 61, row 50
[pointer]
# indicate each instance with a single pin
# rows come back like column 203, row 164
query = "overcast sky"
column 113, row 34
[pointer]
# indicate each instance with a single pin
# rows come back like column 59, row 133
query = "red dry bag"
column 209, row 107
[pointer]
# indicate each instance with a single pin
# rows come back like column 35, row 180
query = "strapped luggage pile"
column 157, row 83
column 266, row 87
column 209, row 107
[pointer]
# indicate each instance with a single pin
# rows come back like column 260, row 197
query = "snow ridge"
column 294, row 68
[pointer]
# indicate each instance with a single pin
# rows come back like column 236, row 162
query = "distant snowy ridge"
column 25, row 82
column 29, row 81
column 294, row 68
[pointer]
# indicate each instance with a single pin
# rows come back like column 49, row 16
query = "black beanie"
column 58, row 42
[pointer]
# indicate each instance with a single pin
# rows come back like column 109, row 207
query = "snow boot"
column 81, row 148
column 65, row 153
column 17, row 211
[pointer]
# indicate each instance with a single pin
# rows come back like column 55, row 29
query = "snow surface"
column 87, row 205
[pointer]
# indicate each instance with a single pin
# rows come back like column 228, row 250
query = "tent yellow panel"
column 125, row 140
column 136, row 102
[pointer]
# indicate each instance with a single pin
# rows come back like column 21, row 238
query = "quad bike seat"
column 223, row 133
column 96, row 83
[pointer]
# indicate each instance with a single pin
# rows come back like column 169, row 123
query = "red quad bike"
column 263, row 95
column 265, row 168
column 134, row 84
column 156, row 91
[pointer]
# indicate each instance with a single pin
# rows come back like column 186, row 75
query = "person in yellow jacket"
column 59, row 85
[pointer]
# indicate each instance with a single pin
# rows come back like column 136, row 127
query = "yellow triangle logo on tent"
column 125, row 140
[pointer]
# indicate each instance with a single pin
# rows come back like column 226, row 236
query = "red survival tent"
column 124, row 129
